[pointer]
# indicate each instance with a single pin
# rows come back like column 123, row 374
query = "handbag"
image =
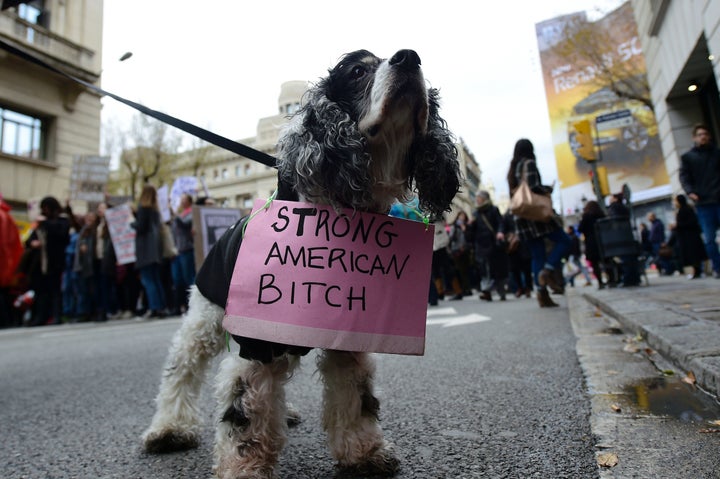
column 512, row 242
column 168, row 244
column 527, row 204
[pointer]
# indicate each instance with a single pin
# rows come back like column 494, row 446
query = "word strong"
column 308, row 276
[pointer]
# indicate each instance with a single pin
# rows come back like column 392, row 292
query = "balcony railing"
column 44, row 41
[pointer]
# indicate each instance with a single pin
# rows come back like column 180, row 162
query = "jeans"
column 150, row 279
column 709, row 218
column 561, row 245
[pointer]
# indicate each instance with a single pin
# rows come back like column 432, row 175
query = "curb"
column 690, row 343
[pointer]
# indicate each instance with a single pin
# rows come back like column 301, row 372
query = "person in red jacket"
column 11, row 250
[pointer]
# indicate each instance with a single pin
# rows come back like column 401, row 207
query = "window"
column 247, row 169
column 30, row 11
column 224, row 173
column 292, row 108
column 21, row 134
column 238, row 171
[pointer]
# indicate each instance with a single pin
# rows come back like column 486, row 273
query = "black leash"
column 210, row 137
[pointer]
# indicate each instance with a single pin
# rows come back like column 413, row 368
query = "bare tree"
column 592, row 48
column 147, row 153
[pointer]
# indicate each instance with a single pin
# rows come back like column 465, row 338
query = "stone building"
column 681, row 44
column 47, row 119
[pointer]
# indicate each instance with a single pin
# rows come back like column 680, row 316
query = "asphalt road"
column 497, row 395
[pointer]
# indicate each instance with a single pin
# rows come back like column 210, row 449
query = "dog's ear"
column 323, row 155
column 434, row 163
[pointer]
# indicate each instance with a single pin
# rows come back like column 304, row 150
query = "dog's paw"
column 165, row 441
column 382, row 463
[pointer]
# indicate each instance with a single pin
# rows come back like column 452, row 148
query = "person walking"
column 575, row 259
column 148, row 250
column 49, row 240
column 87, row 270
column 486, row 234
column 700, row 178
column 461, row 251
column 546, row 266
column 519, row 258
column 11, row 250
column 629, row 270
column 690, row 247
column 657, row 238
column 106, row 268
column 591, row 213
column 183, row 266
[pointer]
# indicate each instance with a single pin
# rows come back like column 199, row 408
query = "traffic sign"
column 612, row 120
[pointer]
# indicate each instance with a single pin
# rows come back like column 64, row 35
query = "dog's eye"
column 357, row 72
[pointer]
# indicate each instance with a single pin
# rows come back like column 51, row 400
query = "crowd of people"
column 507, row 254
column 67, row 270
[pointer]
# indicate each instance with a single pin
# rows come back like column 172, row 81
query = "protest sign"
column 122, row 234
column 88, row 177
column 183, row 184
column 307, row 276
column 163, row 203
column 209, row 224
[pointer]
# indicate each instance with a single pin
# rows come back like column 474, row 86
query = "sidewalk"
column 677, row 317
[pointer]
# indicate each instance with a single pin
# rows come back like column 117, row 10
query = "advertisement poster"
column 625, row 131
column 308, row 276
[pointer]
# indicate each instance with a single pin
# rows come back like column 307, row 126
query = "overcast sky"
column 219, row 63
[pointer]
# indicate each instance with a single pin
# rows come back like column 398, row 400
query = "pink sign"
column 307, row 276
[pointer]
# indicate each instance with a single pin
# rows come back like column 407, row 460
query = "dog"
column 367, row 135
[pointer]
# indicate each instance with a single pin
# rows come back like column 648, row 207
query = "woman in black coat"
column 591, row 213
column 486, row 234
column 148, row 250
column 690, row 246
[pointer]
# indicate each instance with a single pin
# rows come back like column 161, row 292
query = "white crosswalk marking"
column 447, row 317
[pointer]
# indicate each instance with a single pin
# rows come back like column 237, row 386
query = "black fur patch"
column 235, row 414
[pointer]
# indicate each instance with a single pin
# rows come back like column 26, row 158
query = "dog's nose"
column 407, row 59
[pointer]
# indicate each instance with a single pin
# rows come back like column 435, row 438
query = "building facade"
column 47, row 119
column 681, row 44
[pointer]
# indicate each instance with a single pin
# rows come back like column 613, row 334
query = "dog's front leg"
column 176, row 424
column 252, row 427
column 350, row 414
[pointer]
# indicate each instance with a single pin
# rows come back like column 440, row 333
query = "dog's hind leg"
column 350, row 415
column 252, row 427
column 176, row 424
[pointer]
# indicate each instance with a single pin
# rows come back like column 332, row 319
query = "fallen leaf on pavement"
column 649, row 351
column 668, row 372
column 615, row 408
column 631, row 348
column 597, row 313
column 689, row 379
column 710, row 431
column 608, row 459
column 715, row 422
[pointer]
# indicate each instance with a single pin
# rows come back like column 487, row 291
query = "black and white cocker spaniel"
column 368, row 134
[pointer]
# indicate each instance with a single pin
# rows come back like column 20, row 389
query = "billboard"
column 576, row 55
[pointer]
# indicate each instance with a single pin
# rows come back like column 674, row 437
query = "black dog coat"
column 213, row 281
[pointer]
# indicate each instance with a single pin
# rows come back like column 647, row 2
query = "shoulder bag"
column 529, row 205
